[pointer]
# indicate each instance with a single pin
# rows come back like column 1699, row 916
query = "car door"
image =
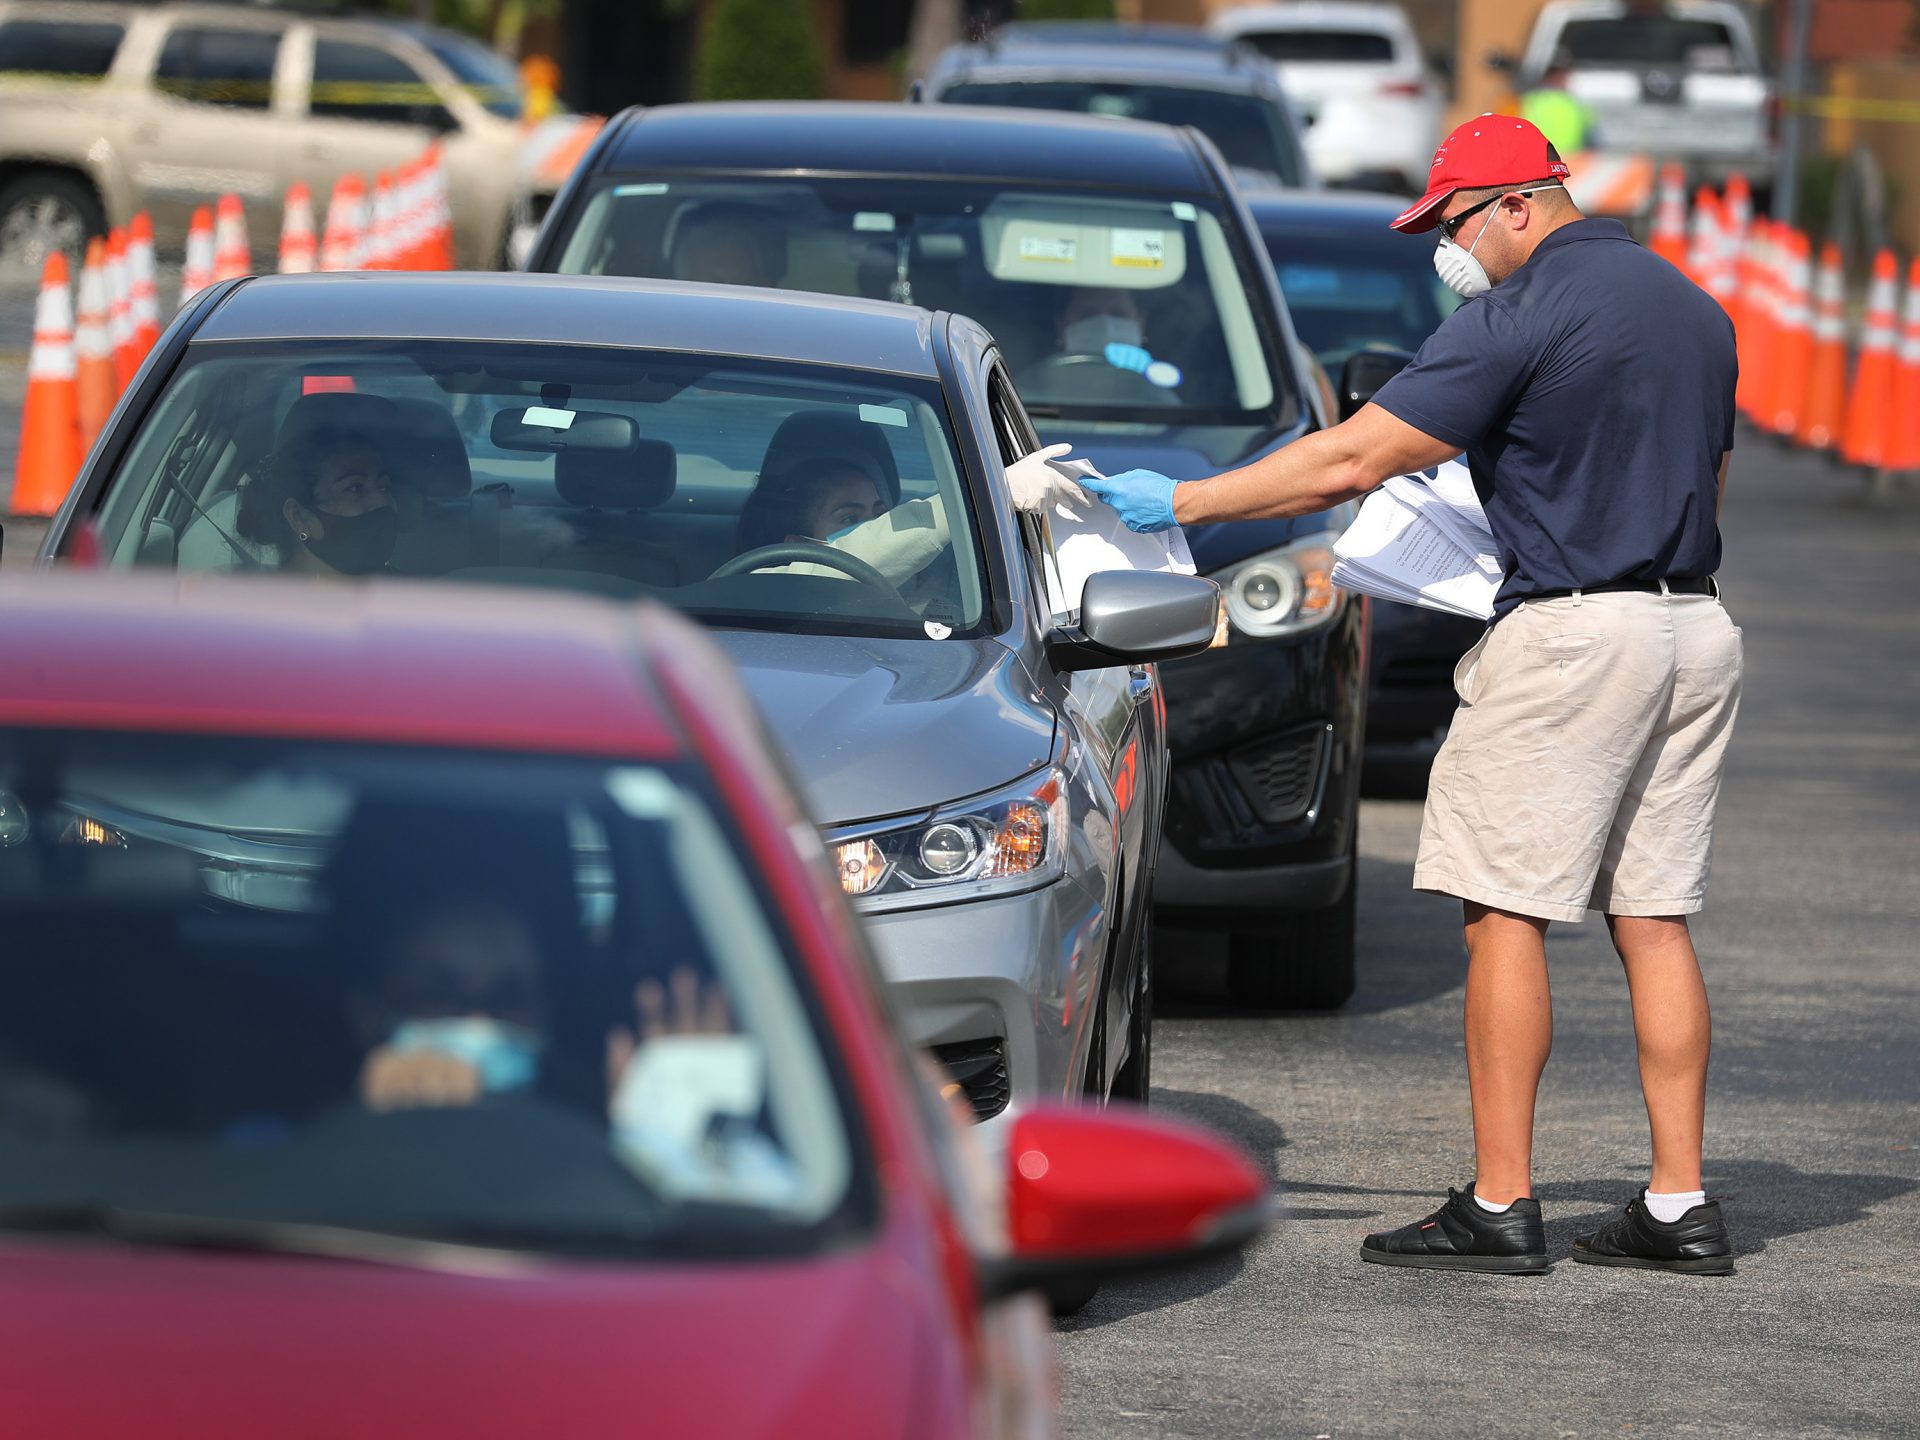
column 214, row 123
column 369, row 109
column 1116, row 712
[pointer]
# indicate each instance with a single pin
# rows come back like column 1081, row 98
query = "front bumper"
column 1264, row 737
column 1410, row 696
column 1014, row 973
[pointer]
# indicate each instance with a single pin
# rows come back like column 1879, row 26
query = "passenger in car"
column 721, row 244
column 324, row 502
column 841, row 501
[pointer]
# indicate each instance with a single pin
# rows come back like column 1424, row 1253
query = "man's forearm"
column 1316, row 472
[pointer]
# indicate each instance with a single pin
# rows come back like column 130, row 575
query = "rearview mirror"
column 1365, row 372
column 1094, row 1195
column 1134, row 617
column 549, row 430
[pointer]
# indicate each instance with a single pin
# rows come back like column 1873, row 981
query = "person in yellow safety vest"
column 1563, row 117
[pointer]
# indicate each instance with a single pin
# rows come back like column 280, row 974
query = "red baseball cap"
column 1487, row 150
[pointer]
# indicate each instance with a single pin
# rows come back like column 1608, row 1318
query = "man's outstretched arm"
column 1316, row 472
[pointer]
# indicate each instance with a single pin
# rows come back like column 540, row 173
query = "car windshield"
column 1118, row 314
column 1632, row 41
column 1344, row 297
column 1324, row 47
column 506, row 1000
column 481, row 73
column 754, row 495
column 1250, row 132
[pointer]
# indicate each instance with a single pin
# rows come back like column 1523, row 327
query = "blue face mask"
column 507, row 1057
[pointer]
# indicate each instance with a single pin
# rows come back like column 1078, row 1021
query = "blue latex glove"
column 1142, row 498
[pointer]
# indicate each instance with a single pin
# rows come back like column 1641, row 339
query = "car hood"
column 874, row 727
column 1213, row 546
column 96, row 1341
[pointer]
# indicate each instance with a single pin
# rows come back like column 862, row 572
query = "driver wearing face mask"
column 324, row 502
column 1093, row 318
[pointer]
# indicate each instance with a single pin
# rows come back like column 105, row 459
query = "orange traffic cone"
column 1903, row 452
column 94, row 386
column 341, row 245
column 1793, row 342
column 440, row 251
column 49, row 418
column 1754, row 337
column 379, row 251
column 232, row 254
column 1669, row 237
column 120, row 310
column 1818, row 423
column 1736, row 206
column 1703, row 237
column 1869, row 409
column 143, row 287
column 296, row 230
column 198, row 273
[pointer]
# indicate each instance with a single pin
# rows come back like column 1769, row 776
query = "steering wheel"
column 1133, row 387
column 812, row 552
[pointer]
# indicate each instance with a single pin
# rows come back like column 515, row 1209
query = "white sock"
column 1490, row 1206
column 1669, row 1208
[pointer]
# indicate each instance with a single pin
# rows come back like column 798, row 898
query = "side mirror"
column 1094, row 1195
column 917, row 93
column 1365, row 372
column 1134, row 617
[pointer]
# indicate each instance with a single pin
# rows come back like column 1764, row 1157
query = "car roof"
column 939, row 142
column 1100, row 32
column 1355, row 219
column 1220, row 68
column 580, row 310
column 388, row 662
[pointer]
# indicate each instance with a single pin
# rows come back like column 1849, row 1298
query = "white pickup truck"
column 1681, row 81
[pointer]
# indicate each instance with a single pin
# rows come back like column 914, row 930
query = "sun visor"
column 1066, row 241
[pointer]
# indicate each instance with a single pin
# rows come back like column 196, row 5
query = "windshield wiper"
column 272, row 1237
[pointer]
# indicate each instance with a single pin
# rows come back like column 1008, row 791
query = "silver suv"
column 108, row 109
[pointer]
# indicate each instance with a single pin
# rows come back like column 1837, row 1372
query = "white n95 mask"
column 1459, row 271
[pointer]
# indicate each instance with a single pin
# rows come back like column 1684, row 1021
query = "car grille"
column 1279, row 775
column 980, row 1068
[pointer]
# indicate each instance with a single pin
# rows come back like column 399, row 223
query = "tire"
column 43, row 211
column 1135, row 1077
column 1306, row 966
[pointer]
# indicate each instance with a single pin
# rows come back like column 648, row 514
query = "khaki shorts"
column 1582, row 766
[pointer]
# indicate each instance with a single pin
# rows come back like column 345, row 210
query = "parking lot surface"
column 1813, row 1138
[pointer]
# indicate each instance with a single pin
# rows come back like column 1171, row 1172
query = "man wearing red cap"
column 1590, row 386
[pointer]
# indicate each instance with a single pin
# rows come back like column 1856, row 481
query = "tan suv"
column 105, row 110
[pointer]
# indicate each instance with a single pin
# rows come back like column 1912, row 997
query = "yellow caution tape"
column 1847, row 107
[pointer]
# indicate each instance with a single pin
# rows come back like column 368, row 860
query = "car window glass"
column 1118, row 313
column 1016, row 439
column 403, row 991
column 1249, row 130
column 621, row 473
column 364, row 82
column 71, row 50
column 233, row 68
column 1340, row 47
column 484, row 75
column 1649, row 40
column 1344, row 297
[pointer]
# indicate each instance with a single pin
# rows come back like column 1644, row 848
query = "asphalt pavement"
column 1813, row 1145
column 1814, row 1128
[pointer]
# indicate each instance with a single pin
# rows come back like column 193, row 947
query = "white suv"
column 1356, row 75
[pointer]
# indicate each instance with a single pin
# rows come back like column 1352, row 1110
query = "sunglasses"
column 1451, row 228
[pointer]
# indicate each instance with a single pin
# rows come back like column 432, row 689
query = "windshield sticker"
column 1063, row 248
column 883, row 415
column 1140, row 249
column 1118, row 105
column 1183, row 210
column 937, row 631
column 652, row 188
column 873, row 221
column 548, row 417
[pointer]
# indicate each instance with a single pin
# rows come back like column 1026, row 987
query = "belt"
column 1689, row 585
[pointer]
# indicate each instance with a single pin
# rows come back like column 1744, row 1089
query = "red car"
column 425, row 1013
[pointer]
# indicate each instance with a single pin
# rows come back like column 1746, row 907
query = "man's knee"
column 1648, row 934
column 1488, row 920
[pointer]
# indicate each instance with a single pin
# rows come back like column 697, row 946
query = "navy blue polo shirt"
column 1592, row 394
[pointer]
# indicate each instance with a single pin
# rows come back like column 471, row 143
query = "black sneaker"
column 1695, row 1244
column 1462, row 1235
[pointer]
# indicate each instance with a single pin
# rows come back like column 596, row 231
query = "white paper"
column 1423, row 540
column 1090, row 537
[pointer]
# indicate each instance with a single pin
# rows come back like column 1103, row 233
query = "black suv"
column 1121, row 274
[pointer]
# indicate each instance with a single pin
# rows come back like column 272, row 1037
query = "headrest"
column 833, row 435
column 426, row 454
column 333, row 416
column 640, row 479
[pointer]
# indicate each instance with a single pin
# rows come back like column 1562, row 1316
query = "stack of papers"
column 1423, row 540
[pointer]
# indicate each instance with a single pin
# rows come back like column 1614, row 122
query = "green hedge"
column 760, row 50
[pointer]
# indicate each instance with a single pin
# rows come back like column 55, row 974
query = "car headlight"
column 1284, row 591
column 1011, row 841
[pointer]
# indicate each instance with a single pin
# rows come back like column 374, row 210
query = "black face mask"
column 357, row 544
